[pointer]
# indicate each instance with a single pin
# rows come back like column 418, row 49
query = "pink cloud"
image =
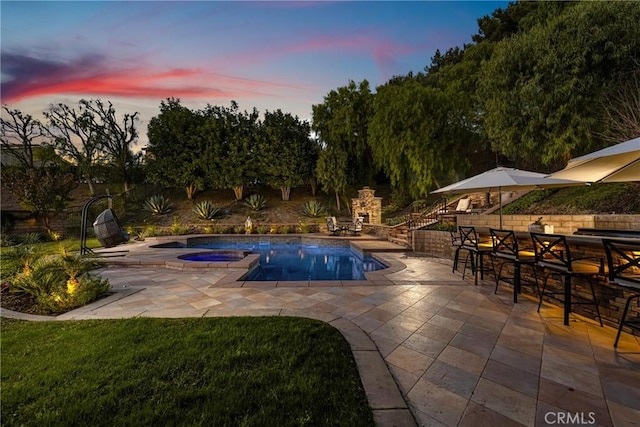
column 89, row 76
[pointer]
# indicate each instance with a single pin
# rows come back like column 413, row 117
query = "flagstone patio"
column 432, row 349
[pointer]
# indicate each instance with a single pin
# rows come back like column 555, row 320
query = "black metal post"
column 83, row 230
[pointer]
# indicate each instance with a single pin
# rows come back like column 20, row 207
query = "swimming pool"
column 297, row 261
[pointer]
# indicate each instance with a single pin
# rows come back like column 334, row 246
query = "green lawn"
column 208, row 371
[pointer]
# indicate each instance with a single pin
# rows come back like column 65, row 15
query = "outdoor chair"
column 356, row 225
column 505, row 249
column 332, row 225
column 108, row 230
column 553, row 253
column 623, row 261
column 456, row 242
column 464, row 205
column 477, row 251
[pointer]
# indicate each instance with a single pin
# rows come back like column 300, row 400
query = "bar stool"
column 505, row 248
column 623, row 260
column 477, row 251
column 554, row 254
column 456, row 242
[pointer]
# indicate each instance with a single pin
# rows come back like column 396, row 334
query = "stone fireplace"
column 367, row 206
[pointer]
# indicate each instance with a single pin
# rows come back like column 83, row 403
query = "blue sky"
column 267, row 55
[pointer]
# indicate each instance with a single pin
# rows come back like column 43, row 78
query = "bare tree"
column 116, row 139
column 76, row 138
column 19, row 134
column 622, row 110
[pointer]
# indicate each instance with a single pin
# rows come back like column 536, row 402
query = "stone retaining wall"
column 563, row 224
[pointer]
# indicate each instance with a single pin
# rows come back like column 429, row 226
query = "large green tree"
column 174, row 153
column 286, row 151
column 415, row 138
column 342, row 122
column 231, row 147
column 542, row 87
column 331, row 171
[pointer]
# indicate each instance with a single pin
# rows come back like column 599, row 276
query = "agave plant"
column 157, row 205
column 255, row 202
column 206, row 210
column 313, row 209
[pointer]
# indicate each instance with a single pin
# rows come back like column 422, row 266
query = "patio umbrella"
column 618, row 163
column 503, row 179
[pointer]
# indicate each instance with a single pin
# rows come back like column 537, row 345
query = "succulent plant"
column 206, row 210
column 157, row 205
column 255, row 202
column 313, row 209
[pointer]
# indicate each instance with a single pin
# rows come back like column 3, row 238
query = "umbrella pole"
column 500, row 201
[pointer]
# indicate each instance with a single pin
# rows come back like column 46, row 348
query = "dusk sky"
column 267, row 55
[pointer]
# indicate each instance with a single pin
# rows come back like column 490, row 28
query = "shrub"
column 206, row 210
column 262, row 229
column 255, row 202
column 6, row 240
column 304, row 228
column 54, row 236
column 238, row 229
column 152, row 231
column 178, row 229
column 18, row 259
column 59, row 282
column 443, row 227
column 313, row 209
column 30, row 238
column 157, row 205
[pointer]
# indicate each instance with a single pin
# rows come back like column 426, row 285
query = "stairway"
column 400, row 235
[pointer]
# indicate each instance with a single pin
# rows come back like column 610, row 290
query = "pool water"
column 289, row 262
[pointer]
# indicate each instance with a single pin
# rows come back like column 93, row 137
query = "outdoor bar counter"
column 611, row 298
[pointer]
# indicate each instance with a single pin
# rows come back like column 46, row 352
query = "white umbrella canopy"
column 503, row 179
column 618, row 163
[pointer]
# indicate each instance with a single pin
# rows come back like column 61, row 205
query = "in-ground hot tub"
column 214, row 256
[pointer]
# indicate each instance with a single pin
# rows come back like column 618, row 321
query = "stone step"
column 402, row 242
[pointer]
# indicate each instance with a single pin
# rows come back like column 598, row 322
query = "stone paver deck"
column 432, row 349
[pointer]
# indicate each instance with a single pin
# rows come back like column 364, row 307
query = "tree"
column 19, row 133
column 76, row 138
column 116, row 139
column 542, row 87
column 285, row 151
column 621, row 107
column 43, row 191
column 231, row 147
column 331, row 171
column 417, row 137
column 342, row 120
column 174, row 153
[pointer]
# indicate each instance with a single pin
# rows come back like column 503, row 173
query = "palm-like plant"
column 206, row 210
column 157, row 205
column 255, row 202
